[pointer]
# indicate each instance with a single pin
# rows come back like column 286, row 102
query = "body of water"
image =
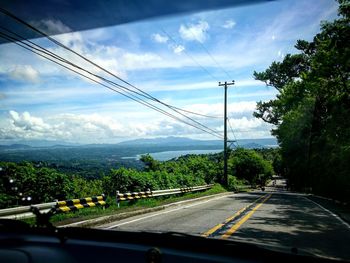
column 168, row 155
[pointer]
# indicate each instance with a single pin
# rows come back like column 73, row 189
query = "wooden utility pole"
column 225, row 181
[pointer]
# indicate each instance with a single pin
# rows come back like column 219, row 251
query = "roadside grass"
column 126, row 206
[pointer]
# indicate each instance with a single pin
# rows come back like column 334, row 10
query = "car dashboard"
column 21, row 243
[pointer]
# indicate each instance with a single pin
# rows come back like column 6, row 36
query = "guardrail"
column 23, row 212
column 148, row 194
column 76, row 204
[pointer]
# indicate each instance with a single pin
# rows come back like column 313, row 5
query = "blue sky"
column 166, row 57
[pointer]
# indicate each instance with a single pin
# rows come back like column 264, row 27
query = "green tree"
column 249, row 165
column 150, row 163
column 311, row 111
column 24, row 183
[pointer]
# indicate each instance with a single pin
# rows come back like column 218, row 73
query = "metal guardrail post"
column 137, row 195
column 117, row 198
column 74, row 204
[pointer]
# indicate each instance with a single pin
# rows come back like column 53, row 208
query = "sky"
column 177, row 59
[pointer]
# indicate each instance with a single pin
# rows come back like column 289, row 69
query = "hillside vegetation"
column 27, row 183
column 311, row 112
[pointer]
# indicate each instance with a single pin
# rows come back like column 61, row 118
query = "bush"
column 85, row 188
column 235, row 184
column 249, row 165
column 24, row 183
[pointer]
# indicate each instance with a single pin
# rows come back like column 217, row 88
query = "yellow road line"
column 244, row 219
column 212, row 230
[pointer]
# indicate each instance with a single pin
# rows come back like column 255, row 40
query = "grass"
column 126, row 206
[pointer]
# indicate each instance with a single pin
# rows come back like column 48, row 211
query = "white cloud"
column 243, row 108
column 178, row 49
column 244, row 124
column 140, row 61
column 70, row 127
column 280, row 54
column 51, row 26
column 120, row 61
column 159, row 38
column 190, row 85
column 229, row 24
column 194, row 32
column 100, row 128
column 84, row 128
column 25, row 73
column 24, row 126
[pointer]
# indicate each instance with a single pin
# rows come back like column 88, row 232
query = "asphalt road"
column 276, row 219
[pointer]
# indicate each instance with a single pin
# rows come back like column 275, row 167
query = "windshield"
column 229, row 123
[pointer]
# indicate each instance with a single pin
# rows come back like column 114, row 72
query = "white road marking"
column 165, row 212
column 325, row 209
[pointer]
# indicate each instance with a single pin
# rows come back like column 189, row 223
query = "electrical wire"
column 191, row 57
column 233, row 133
column 212, row 57
column 96, row 65
column 49, row 53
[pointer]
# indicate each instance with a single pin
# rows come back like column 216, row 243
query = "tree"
column 249, row 165
column 150, row 163
column 24, row 184
column 311, row 111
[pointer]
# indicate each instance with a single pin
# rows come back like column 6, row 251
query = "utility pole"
column 225, row 130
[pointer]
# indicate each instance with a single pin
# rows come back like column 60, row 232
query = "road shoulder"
column 119, row 216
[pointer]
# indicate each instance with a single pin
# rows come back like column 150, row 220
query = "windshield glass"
column 229, row 123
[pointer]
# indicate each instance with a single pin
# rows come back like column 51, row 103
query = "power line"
column 144, row 94
column 130, row 97
column 233, row 133
column 191, row 57
column 96, row 65
column 195, row 61
column 199, row 114
column 210, row 55
column 49, row 53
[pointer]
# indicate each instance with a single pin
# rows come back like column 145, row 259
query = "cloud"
column 140, row 61
column 25, row 73
column 23, row 126
column 27, row 122
column 244, row 123
column 70, row 127
column 201, row 85
column 178, row 49
column 159, row 38
column 103, row 128
column 280, row 54
column 243, row 108
column 250, row 128
column 51, row 26
column 229, row 24
column 194, row 32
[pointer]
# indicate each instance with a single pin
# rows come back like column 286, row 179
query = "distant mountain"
column 183, row 141
column 162, row 142
column 14, row 146
column 252, row 145
column 258, row 143
column 37, row 143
